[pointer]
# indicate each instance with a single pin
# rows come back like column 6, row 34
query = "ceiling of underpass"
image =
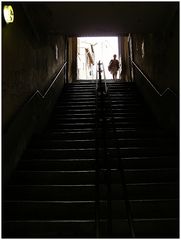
column 100, row 18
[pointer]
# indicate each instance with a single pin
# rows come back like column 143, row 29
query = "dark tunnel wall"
column 157, row 55
column 161, row 54
column 29, row 61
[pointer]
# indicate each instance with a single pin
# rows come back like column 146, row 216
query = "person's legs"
column 115, row 75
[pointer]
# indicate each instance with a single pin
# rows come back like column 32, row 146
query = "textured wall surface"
column 29, row 62
column 157, row 54
column 125, row 74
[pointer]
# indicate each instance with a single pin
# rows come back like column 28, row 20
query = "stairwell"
column 102, row 168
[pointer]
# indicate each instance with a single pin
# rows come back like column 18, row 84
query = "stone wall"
column 29, row 62
column 157, row 55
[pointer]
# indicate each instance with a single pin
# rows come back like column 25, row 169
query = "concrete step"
column 62, row 210
column 49, row 228
column 87, row 143
column 51, row 192
column 142, row 191
column 137, row 191
column 90, row 152
column 156, row 228
column 155, row 208
column 54, row 177
column 150, row 162
column 57, row 164
column 89, row 176
column 45, row 143
column 79, row 134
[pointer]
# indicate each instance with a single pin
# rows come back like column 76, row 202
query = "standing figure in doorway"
column 114, row 67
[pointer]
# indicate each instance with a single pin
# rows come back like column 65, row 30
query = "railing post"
column 99, row 70
column 102, row 90
column 99, row 89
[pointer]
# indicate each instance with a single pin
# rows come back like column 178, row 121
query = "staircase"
column 102, row 168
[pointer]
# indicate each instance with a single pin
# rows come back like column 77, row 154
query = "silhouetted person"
column 114, row 66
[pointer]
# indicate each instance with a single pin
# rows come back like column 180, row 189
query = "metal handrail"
column 100, row 121
column 151, row 84
column 43, row 95
column 105, row 82
column 104, row 95
column 98, row 76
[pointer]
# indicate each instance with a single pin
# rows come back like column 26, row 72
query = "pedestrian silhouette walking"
column 114, row 66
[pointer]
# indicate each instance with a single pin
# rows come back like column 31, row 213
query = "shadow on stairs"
column 102, row 168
